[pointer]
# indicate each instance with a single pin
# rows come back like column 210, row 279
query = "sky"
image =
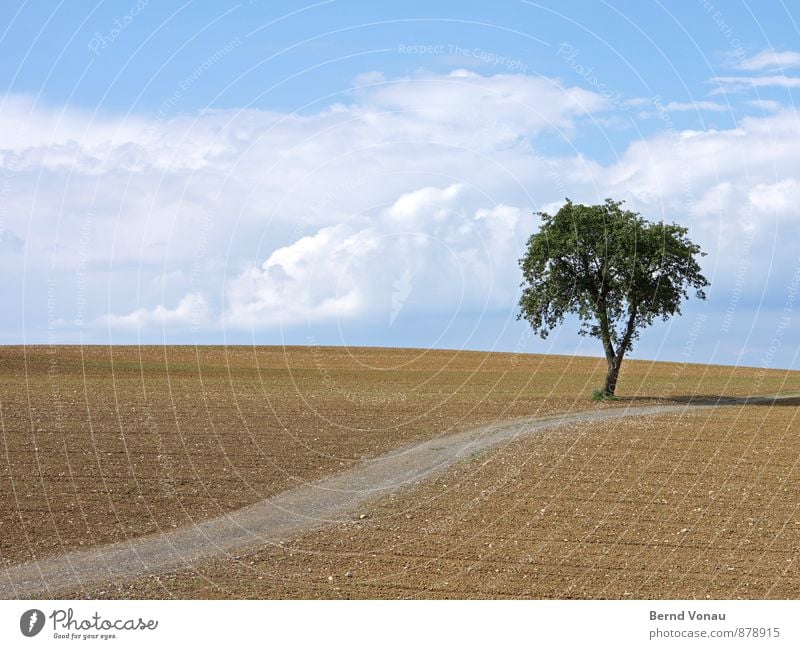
column 361, row 173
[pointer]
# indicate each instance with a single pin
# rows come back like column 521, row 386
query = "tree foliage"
column 611, row 267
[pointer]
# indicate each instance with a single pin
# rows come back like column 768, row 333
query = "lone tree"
column 615, row 270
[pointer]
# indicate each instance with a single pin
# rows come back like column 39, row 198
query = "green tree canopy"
column 615, row 270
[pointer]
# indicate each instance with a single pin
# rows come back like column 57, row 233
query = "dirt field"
column 699, row 506
column 100, row 445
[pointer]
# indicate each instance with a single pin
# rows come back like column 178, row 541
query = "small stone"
column 349, row 573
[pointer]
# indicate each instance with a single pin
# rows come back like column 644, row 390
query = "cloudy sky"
column 348, row 173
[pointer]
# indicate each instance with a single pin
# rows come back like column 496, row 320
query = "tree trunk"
column 611, row 376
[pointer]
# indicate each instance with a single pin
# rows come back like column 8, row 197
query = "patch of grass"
column 599, row 395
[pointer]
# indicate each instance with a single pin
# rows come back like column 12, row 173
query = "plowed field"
column 102, row 444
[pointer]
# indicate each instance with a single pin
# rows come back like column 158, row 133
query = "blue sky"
column 366, row 173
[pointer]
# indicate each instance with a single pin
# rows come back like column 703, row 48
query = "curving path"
column 296, row 511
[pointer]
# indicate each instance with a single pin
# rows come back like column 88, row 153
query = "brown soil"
column 104, row 444
column 705, row 505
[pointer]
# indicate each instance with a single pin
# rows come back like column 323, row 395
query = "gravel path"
column 291, row 513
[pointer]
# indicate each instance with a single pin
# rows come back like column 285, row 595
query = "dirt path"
column 293, row 512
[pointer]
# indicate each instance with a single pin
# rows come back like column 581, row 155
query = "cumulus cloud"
column 310, row 280
column 31, row 128
column 780, row 198
column 149, row 185
column 674, row 167
column 190, row 198
column 409, row 197
column 428, row 239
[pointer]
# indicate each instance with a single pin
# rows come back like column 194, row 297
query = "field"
column 103, row 444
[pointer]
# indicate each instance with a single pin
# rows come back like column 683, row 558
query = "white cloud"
column 766, row 105
column 179, row 201
column 522, row 103
column 29, row 127
column 676, row 106
column 682, row 106
column 192, row 310
column 780, row 198
column 312, row 280
column 421, row 186
column 685, row 106
column 428, row 238
column 152, row 186
column 715, row 202
column 674, row 167
column 733, row 187
column 727, row 84
column 770, row 59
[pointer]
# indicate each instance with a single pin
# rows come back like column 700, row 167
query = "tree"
column 615, row 270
